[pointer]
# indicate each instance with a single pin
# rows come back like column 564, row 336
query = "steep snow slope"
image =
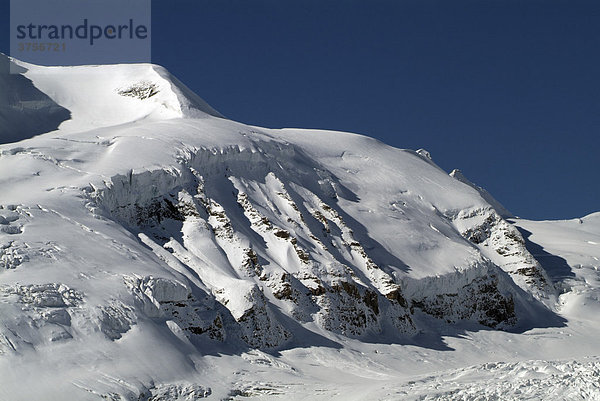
column 25, row 111
column 155, row 250
column 569, row 250
column 97, row 96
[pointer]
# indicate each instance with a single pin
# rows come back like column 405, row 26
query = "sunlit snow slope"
column 152, row 249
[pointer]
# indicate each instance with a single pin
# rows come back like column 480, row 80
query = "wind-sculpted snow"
column 263, row 236
column 151, row 249
column 165, row 206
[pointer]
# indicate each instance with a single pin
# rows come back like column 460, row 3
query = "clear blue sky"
column 507, row 91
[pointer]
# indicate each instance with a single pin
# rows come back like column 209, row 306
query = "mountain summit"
column 151, row 247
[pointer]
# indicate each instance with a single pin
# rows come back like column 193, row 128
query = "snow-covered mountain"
column 152, row 249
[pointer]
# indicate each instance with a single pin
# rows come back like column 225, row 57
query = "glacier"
column 152, row 249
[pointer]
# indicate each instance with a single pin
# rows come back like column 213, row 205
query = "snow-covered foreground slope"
column 151, row 249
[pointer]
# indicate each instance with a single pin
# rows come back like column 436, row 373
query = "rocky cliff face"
column 502, row 243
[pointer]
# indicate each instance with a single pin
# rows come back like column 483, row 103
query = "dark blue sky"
column 507, row 91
